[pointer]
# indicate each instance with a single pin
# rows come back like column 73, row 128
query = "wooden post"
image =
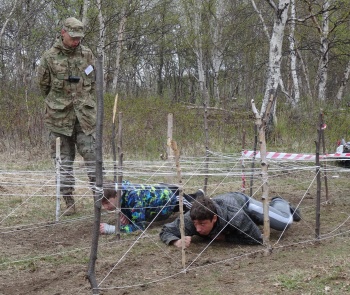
column 322, row 128
column 58, row 177
column 242, row 163
column 169, row 157
column 261, row 125
column 119, row 186
column 253, row 160
column 170, row 153
column 318, row 178
column 117, row 217
column 98, row 193
column 206, row 130
column 113, row 139
column 182, row 222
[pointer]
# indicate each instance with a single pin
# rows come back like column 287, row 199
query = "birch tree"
column 323, row 29
column 343, row 83
column 120, row 40
column 293, row 57
column 275, row 52
column 216, row 29
column 193, row 15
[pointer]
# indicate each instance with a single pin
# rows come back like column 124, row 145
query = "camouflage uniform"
column 67, row 81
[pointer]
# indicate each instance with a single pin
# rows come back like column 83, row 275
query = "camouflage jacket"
column 232, row 221
column 67, row 100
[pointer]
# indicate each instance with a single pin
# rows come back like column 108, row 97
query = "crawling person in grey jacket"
column 232, row 217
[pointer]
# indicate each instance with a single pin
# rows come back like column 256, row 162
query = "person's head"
column 203, row 215
column 72, row 32
column 109, row 200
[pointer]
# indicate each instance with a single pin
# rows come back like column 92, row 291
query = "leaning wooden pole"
column 98, row 192
column 115, row 168
column 181, row 207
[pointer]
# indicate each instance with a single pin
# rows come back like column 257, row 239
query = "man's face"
column 109, row 204
column 204, row 227
column 69, row 41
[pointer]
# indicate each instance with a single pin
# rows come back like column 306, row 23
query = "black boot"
column 68, row 198
column 296, row 213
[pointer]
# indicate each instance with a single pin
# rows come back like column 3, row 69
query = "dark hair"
column 108, row 193
column 202, row 209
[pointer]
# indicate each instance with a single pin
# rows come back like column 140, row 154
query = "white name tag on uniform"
column 89, row 69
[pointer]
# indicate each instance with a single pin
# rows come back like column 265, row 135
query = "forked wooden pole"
column 261, row 125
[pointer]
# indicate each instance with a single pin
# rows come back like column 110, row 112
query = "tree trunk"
column 323, row 66
column 293, row 58
column 119, row 50
column 275, row 53
column 343, row 82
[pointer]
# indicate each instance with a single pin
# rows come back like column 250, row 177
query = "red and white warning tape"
column 295, row 157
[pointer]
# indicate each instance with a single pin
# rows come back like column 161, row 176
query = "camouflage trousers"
column 85, row 145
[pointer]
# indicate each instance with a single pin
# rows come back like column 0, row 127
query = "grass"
column 320, row 277
column 316, row 270
column 144, row 125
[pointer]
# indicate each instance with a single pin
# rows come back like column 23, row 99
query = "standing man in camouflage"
column 67, row 81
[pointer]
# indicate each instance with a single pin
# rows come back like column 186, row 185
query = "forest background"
column 175, row 56
column 179, row 57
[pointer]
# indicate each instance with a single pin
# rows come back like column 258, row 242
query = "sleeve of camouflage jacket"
column 44, row 78
column 171, row 231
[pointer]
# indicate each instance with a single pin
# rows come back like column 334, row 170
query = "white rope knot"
column 97, row 189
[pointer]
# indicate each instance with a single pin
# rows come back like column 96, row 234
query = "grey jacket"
column 230, row 206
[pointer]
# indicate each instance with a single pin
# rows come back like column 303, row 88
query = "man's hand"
column 220, row 237
column 106, row 229
column 102, row 228
column 123, row 219
column 178, row 243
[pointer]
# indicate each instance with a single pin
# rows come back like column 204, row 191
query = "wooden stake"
column 261, row 125
column 182, row 222
column 206, row 130
column 253, row 160
column 120, row 176
column 242, row 163
column 58, row 177
column 322, row 128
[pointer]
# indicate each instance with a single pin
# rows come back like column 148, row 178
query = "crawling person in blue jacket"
column 143, row 203
column 232, row 217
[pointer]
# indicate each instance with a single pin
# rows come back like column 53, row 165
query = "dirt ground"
column 47, row 257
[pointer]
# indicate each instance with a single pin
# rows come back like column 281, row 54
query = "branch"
column 272, row 4
column 266, row 31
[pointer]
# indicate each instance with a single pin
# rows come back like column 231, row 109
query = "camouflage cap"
column 74, row 27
